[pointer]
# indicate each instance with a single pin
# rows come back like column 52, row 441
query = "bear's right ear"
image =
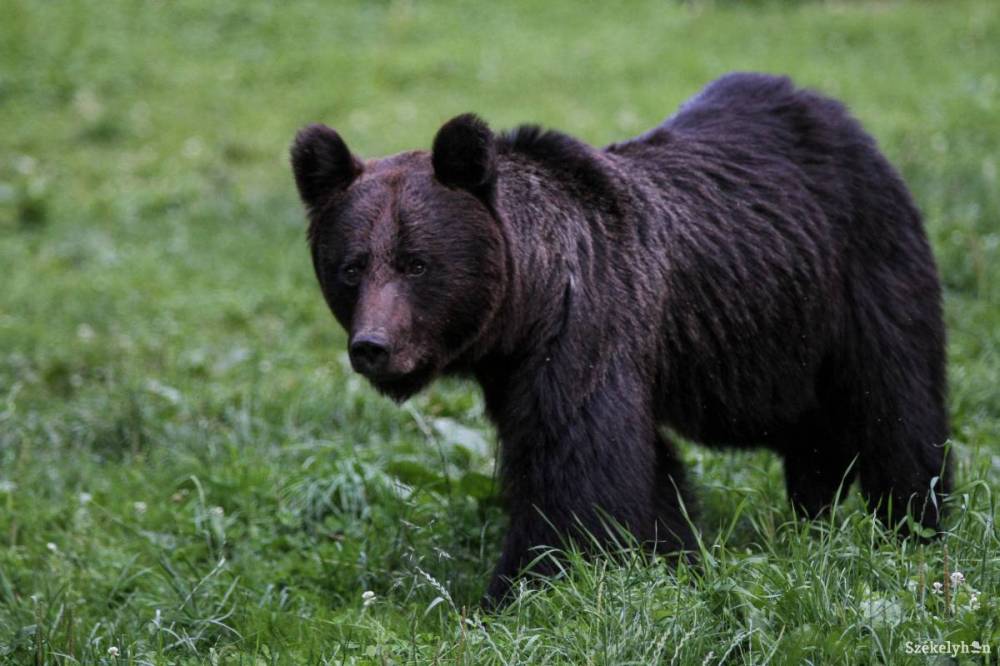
column 464, row 155
column 322, row 164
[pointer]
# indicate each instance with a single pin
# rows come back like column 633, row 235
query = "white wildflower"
column 938, row 587
column 52, row 547
column 140, row 507
column 113, row 651
column 25, row 164
column 85, row 332
column 217, row 512
column 88, row 105
column 85, row 498
column 957, row 578
column 368, row 598
column 193, row 147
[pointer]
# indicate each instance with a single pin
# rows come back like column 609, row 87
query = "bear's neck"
column 566, row 228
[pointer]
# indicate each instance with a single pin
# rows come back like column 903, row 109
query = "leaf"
column 452, row 432
column 414, row 474
column 919, row 529
column 477, row 485
column 432, row 604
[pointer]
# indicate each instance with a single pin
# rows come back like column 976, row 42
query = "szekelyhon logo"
column 946, row 647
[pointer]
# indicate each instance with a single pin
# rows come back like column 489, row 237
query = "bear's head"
column 408, row 250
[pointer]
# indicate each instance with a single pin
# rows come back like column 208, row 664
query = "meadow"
column 189, row 471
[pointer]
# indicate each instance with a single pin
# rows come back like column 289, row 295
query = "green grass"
column 190, row 473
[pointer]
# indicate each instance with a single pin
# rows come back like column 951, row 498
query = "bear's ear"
column 322, row 164
column 464, row 155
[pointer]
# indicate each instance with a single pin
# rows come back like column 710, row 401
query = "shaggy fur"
column 752, row 272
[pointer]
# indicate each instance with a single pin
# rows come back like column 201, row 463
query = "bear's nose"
column 369, row 354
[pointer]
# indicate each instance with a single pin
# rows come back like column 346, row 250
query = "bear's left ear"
column 464, row 155
column 322, row 163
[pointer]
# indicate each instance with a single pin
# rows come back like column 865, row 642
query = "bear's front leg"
column 522, row 544
column 581, row 479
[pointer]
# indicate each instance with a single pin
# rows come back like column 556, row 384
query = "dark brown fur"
column 752, row 272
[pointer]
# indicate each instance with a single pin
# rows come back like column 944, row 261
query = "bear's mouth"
column 399, row 387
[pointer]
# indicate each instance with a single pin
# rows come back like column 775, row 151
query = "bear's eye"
column 415, row 267
column 351, row 274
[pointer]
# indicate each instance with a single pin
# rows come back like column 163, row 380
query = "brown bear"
column 751, row 272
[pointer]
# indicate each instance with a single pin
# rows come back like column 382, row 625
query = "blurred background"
column 186, row 462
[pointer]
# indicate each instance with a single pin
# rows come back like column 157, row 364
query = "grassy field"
column 189, row 472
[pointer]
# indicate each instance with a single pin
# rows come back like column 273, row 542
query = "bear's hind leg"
column 900, row 422
column 817, row 476
column 820, row 462
column 892, row 357
column 904, row 467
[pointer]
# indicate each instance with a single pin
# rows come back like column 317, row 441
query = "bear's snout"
column 369, row 354
column 382, row 334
